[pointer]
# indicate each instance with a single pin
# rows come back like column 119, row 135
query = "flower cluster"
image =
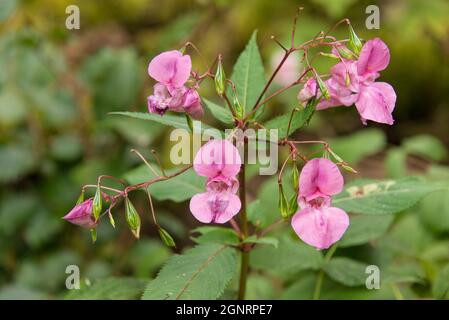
column 317, row 223
column 220, row 162
column 354, row 82
column 172, row 70
column 81, row 215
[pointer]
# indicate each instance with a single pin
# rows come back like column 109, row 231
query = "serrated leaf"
column 220, row 113
column 109, row 289
column 290, row 257
column 299, row 120
column 248, row 75
column 383, row 197
column 426, row 146
column 209, row 234
column 175, row 121
column 440, row 287
column 355, row 147
column 365, row 228
column 178, row 189
column 200, row 273
column 346, row 271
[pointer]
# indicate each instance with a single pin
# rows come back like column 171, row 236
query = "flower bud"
column 81, row 215
column 345, row 52
column 354, row 41
column 93, row 235
column 295, row 177
column 192, row 104
column 97, row 203
column 323, row 87
column 293, row 204
column 237, row 107
column 132, row 218
column 166, row 238
column 80, row 198
column 220, row 78
column 283, row 203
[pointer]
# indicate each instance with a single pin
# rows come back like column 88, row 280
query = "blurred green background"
column 57, row 87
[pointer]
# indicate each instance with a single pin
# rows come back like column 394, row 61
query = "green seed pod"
column 295, row 177
column 93, row 235
column 132, row 218
column 283, row 203
column 80, row 198
column 293, row 205
column 323, row 87
column 238, row 107
column 97, row 205
column 220, row 79
column 345, row 52
column 354, row 41
column 166, row 238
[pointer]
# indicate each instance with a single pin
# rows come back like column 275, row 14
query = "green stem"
column 320, row 276
column 244, row 265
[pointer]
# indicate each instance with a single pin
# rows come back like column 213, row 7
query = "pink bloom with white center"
column 81, row 215
column 220, row 162
column 353, row 82
column 170, row 68
column 317, row 223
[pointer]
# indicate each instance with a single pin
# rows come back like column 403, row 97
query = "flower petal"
column 214, row 207
column 217, row 157
column 376, row 103
column 320, row 177
column 170, row 68
column 81, row 215
column 320, row 227
column 374, row 57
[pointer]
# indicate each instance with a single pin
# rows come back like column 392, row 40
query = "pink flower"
column 81, row 215
column 220, row 162
column 353, row 82
column 217, row 157
column 164, row 99
column 192, row 104
column 308, row 91
column 170, row 68
column 317, row 223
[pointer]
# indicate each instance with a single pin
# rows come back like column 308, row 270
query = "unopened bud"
column 293, row 205
column 220, row 78
column 295, row 177
column 354, row 41
column 97, row 205
column 323, row 87
column 237, row 107
column 132, row 218
column 166, row 238
column 93, row 235
column 345, row 52
column 80, row 198
column 283, row 203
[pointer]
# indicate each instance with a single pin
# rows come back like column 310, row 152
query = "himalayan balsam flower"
column 317, row 223
column 220, row 162
column 172, row 70
column 353, row 82
column 81, row 215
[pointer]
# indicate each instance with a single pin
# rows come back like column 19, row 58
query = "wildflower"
column 220, row 162
column 81, row 215
column 317, row 223
column 171, row 68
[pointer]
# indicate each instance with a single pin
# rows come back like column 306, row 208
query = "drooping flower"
column 170, row 68
column 220, row 162
column 353, row 82
column 164, row 99
column 317, row 223
column 81, row 215
column 217, row 157
column 192, row 104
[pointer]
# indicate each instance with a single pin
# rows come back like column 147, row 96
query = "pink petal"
column 320, row 177
column 376, row 103
column 170, row 68
column 214, row 207
column 81, row 215
column 320, row 227
column 374, row 57
column 217, row 157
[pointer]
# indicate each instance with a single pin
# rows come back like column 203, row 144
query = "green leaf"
column 109, row 289
column 395, row 164
column 209, row 234
column 262, row 240
column 175, row 121
column 347, row 271
column 355, row 147
column 383, row 197
column 177, row 189
column 426, row 146
column 200, row 273
column 365, row 228
column 300, row 118
column 440, row 287
column 16, row 161
column 290, row 257
column 220, row 113
column 411, row 272
column 435, row 211
column 248, row 75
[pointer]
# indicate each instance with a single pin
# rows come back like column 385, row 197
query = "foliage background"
column 57, row 86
